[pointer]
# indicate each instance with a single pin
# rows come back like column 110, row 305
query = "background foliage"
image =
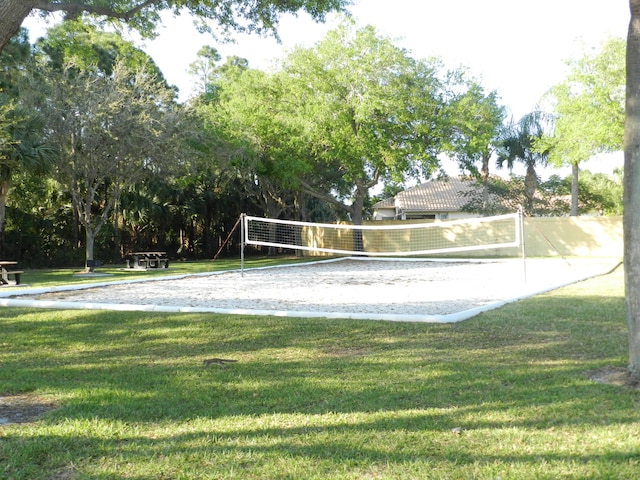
column 322, row 137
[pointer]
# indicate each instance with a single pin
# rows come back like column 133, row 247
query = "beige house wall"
column 543, row 237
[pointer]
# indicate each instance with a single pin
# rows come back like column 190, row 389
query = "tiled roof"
column 432, row 196
column 386, row 203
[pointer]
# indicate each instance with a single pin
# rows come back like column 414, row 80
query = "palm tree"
column 25, row 152
column 519, row 145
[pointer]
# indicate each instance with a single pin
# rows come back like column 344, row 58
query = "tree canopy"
column 338, row 118
column 257, row 16
column 519, row 144
column 308, row 139
column 589, row 106
column 588, row 110
column 475, row 133
column 107, row 113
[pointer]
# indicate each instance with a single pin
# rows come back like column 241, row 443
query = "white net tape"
column 399, row 239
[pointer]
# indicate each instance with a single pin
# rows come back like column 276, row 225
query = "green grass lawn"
column 318, row 399
column 65, row 276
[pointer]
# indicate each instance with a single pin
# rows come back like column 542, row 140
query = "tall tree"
column 259, row 16
column 22, row 145
column 519, row 144
column 589, row 111
column 477, row 123
column 13, row 62
column 85, row 46
column 631, row 215
column 27, row 151
column 601, row 193
column 110, row 130
column 204, row 70
column 255, row 119
column 365, row 110
column 71, row 53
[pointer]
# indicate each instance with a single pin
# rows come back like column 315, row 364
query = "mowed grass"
column 114, row 273
column 324, row 399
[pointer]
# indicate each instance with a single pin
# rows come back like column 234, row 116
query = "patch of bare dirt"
column 23, row 408
column 619, row 376
column 346, row 352
column 65, row 474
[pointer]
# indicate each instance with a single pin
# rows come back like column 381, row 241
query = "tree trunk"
column 75, row 222
column 484, row 175
column 91, row 240
column 575, row 176
column 12, row 14
column 84, row 215
column 117, row 234
column 530, row 186
column 301, row 216
column 207, row 241
column 273, row 210
column 356, row 211
column 4, row 191
column 631, row 216
column 356, row 218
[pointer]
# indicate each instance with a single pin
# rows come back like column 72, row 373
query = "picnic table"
column 6, row 272
column 149, row 260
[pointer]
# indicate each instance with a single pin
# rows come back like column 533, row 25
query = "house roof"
column 446, row 195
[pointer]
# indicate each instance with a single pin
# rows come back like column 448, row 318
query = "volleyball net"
column 398, row 239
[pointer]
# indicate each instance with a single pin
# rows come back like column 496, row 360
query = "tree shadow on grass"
column 350, row 447
column 514, row 368
column 314, row 366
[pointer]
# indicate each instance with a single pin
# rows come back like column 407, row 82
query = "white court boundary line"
column 449, row 318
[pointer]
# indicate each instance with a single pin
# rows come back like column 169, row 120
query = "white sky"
column 517, row 47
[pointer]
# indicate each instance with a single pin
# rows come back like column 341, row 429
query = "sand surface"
column 353, row 287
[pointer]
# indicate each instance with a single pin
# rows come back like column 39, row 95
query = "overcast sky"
column 516, row 47
column 517, row 50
